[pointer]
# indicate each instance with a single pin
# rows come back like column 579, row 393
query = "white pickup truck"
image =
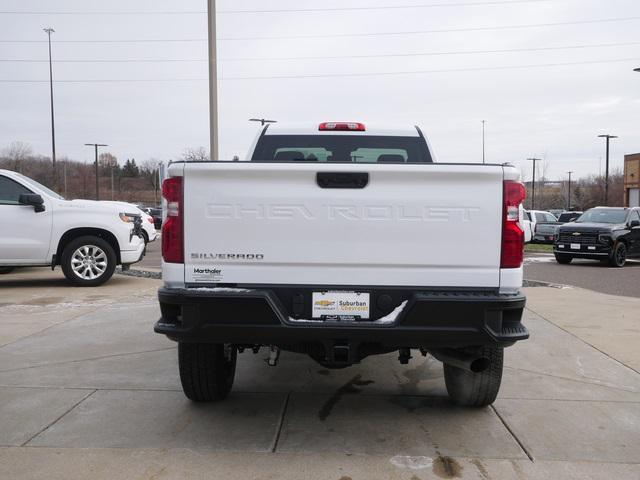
column 86, row 238
column 340, row 241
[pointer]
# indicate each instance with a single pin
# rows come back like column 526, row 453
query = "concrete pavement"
column 87, row 390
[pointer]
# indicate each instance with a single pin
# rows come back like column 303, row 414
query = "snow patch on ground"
column 411, row 463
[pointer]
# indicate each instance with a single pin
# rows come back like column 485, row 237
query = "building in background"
column 632, row 180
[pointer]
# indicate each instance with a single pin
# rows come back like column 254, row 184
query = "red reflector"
column 512, row 233
column 172, row 229
column 342, row 127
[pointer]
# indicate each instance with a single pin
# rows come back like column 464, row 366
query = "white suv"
column 86, row 238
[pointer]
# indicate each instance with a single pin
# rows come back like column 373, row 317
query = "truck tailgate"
column 431, row 225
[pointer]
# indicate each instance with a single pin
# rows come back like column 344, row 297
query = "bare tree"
column 149, row 169
column 195, row 154
column 107, row 161
column 15, row 154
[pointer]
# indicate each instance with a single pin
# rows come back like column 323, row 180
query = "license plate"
column 575, row 246
column 343, row 306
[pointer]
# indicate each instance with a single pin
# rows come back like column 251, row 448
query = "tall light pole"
column 262, row 121
column 569, row 195
column 95, row 146
column 606, row 168
column 213, row 81
column 49, row 31
column 533, row 182
column 483, row 156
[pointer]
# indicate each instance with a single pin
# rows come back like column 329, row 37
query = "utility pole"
column 95, row 146
column 213, row 81
column 606, row 169
column 49, row 31
column 569, row 195
column 533, row 182
column 111, row 182
column 483, row 156
column 262, row 121
column 64, row 168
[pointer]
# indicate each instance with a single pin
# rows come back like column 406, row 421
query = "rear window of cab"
column 341, row 149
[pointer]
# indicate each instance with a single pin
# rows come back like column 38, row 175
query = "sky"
column 547, row 76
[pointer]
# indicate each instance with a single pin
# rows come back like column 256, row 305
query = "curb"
column 539, row 283
column 136, row 272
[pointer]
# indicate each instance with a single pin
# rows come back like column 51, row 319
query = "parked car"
column 342, row 241
column 86, row 238
column 546, row 232
column 156, row 214
column 532, row 219
column 149, row 232
column 603, row 233
column 570, row 216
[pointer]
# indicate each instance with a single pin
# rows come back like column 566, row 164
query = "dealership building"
column 632, row 180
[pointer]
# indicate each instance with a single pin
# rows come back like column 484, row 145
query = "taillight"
column 512, row 233
column 150, row 219
column 342, row 127
column 172, row 228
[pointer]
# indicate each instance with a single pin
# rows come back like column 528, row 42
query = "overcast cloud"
column 551, row 112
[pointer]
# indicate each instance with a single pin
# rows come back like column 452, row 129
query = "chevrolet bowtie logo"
column 324, row 303
column 576, row 234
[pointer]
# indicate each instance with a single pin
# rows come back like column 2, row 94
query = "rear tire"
column 618, row 257
column 5, row 270
column 206, row 370
column 563, row 259
column 476, row 389
column 100, row 261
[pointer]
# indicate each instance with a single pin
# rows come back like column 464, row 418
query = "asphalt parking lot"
column 588, row 274
column 85, row 386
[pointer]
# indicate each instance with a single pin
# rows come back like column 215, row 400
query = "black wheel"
column 206, row 370
column 88, row 261
column 563, row 259
column 5, row 270
column 619, row 255
column 476, row 389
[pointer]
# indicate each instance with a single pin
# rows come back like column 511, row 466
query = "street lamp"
column 483, row 156
column 96, row 145
column 213, row 80
column 606, row 173
column 569, row 193
column 262, row 121
column 49, row 31
column 533, row 182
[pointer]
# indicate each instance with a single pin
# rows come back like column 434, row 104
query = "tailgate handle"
column 342, row 179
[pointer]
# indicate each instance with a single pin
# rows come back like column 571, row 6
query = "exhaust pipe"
column 465, row 361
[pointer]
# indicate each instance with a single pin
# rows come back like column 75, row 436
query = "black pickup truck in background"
column 607, row 234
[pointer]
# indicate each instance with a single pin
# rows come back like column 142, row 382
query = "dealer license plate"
column 344, row 306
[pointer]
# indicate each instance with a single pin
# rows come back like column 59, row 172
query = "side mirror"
column 634, row 223
column 32, row 199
